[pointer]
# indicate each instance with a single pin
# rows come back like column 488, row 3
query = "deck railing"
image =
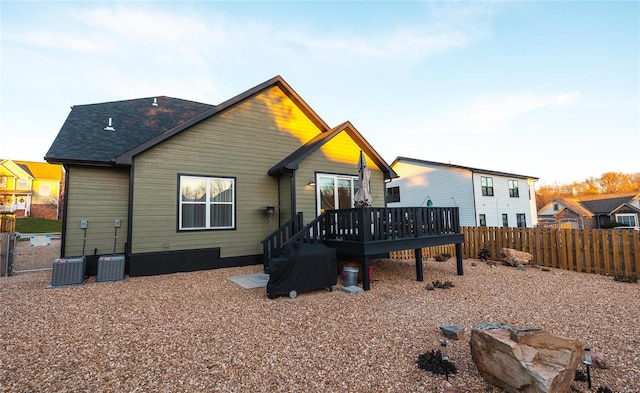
column 273, row 243
column 367, row 224
column 380, row 223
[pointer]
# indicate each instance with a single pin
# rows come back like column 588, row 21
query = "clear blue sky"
column 546, row 89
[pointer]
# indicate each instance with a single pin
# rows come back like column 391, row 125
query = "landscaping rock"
column 524, row 361
column 598, row 361
column 447, row 387
column 453, row 332
column 511, row 257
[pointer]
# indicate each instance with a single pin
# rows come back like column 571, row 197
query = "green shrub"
column 622, row 278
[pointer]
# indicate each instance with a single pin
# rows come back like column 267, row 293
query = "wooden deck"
column 368, row 231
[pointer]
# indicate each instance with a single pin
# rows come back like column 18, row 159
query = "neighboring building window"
column 513, row 189
column 22, row 184
column 3, row 181
column 505, row 220
column 556, row 207
column 521, row 219
column 45, row 189
column 487, row 186
column 393, row 194
column 206, row 203
column 627, row 219
column 483, row 220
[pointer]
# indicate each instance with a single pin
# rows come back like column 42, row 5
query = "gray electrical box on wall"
column 116, row 223
column 83, row 224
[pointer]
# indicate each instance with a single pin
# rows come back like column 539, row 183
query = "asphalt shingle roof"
column 604, row 206
column 83, row 136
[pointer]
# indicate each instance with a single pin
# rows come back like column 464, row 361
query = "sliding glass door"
column 335, row 191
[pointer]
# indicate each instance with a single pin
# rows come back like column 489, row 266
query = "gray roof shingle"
column 83, row 137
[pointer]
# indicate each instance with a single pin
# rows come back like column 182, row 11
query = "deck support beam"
column 419, row 269
column 459, row 258
column 366, row 284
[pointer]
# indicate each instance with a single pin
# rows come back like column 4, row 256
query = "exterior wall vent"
column 68, row 271
column 155, row 102
column 110, row 126
column 111, row 268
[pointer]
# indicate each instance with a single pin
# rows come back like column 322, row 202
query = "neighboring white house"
column 485, row 197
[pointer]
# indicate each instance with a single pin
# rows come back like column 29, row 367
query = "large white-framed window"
column 335, row 191
column 206, row 202
column 629, row 220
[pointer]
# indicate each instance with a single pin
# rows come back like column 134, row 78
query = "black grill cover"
column 303, row 267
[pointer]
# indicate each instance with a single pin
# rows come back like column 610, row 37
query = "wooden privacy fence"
column 427, row 252
column 599, row 251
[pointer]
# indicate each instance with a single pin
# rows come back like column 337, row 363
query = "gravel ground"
column 200, row 332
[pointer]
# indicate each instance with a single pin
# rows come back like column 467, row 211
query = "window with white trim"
column 521, row 220
column 206, row 203
column 3, row 181
column 335, row 191
column 627, row 219
column 22, row 184
column 45, row 189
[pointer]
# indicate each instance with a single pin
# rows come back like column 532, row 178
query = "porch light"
column 270, row 209
column 586, row 359
column 311, row 182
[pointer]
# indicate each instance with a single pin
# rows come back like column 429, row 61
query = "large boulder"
column 524, row 361
column 512, row 257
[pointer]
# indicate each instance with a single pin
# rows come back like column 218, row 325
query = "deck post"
column 366, row 285
column 459, row 258
column 418, row 254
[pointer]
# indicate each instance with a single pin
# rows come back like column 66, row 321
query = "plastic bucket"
column 349, row 276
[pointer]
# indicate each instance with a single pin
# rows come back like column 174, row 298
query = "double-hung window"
column 505, row 220
column 487, row 185
column 206, row 202
column 513, row 189
column 521, row 220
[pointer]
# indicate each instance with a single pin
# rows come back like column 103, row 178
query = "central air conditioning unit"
column 69, row 271
column 111, row 268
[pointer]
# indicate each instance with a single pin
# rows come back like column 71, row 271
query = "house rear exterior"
column 177, row 185
column 484, row 197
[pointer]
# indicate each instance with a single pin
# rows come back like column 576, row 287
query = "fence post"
column 626, row 253
column 636, row 251
column 605, row 251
